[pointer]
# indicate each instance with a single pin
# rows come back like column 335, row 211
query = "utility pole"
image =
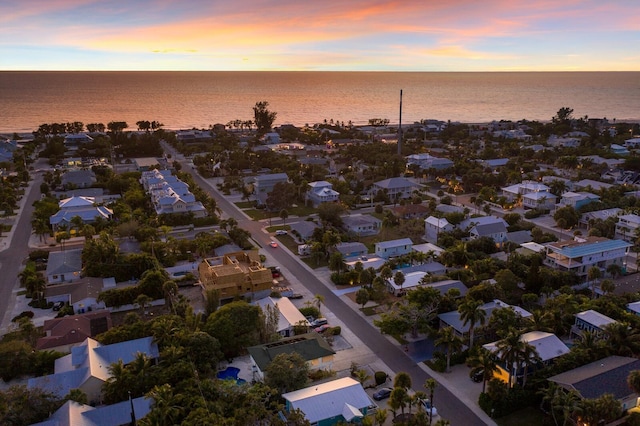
column 400, row 127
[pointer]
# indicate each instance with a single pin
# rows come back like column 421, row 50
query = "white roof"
column 595, row 318
column 548, row 345
column 289, row 314
column 412, row 279
column 327, row 400
column 634, row 307
column 440, row 223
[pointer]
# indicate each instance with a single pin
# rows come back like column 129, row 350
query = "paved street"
column 450, row 406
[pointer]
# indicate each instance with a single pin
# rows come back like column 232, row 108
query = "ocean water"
column 182, row 100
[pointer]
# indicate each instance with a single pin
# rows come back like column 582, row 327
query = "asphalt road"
column 12, row 258
column 449, row 406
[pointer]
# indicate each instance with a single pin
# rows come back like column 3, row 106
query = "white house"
column 427, row 161
column 626, row 227
column 169, row 194
column 361, row 224
column 393, row 248
column 579, row 255
column 512, row 192
column 396, row 188
column 288, row 315
column 263, row 184
column 434, row 226
column 87, row 366
column 577, row 199
column 331, row 402
column 322, row 192
column 592, row 321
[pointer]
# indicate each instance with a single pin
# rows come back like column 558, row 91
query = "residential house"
column 626, row 227
column 396, row 188
column 619, row 149
column 64, row 266
column 61, row 334
column 74, row 140
column 497, row 231
column 434, row 226
column 83, row 207
column 322, row 192
column 453, row 319
column 263, row 185
column 494, row 164
column 556, row 141
column 414, row 279
column 591, row 185
column 393, row 248
column 368, row 261
column 605, row 376
column 170, row 195
column 577, row 199
column 330, row 403
column 236, row 274
column 81, row 295
column 78, row 179
column 547, row 345
column 592, row 321
column 426, row 161
column 87, row 366
column 312, row 347
column 303, row 230
column 444, row 286
column 587, row 218
column 513, row 192
column 411, row 211
column 449, row 208
column 633, row 143
column 519, row 237
column 539, row 200
column 120, row 414
column 7, row 149
column 429, row 249
column 634, row 308
column 288, row 315
column 361, row 224
column 580, row 254
column 351, row 249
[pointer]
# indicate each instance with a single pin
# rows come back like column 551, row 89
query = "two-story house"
column 580, row 254
column 236, row 274
column 393, row 248
column 322, row 192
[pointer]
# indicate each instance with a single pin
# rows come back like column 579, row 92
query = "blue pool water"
column 228, row 373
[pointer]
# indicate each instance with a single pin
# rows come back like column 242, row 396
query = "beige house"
column 236, row 274
column 311, row 346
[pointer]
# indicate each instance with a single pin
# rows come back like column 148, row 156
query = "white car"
column 428, row 408
column 281, row 232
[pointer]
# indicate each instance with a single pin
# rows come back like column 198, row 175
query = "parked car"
column 477, row 376
column 58, row 305
column 296, row 296
column 319, row 322
column 281, row 232
column 322, row 328
column 428, row 408
column 381, row 394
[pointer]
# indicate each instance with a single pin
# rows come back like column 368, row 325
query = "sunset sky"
column 345, row 35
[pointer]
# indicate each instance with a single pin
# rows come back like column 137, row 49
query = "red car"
column 322, row 328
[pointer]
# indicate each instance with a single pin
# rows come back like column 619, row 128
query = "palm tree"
column 529, row 356
column 614, row 270
column 402, row 380
column 484, row 361
column 399, row 279
column 319, row 300
column 165, row 408
column 607, row 286
column 448, row 338
column 509, row 351
column 593, row 275
column 622, row 339
column 399, row 399
column 284, row 214
column 471, row 313
column 430, row 385
column 142, row 300
column 380, row 416
column 633, row 380
column 539, row 321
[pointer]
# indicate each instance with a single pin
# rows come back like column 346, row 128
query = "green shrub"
column 380, row 377
column 310, row 311
column 23, row 314
column 334, row 331
column 39, row 254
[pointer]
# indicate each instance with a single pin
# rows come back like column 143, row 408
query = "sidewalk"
column 5, row 239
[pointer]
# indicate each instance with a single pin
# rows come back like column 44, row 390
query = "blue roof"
column 585, row 249
column 395, row 243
